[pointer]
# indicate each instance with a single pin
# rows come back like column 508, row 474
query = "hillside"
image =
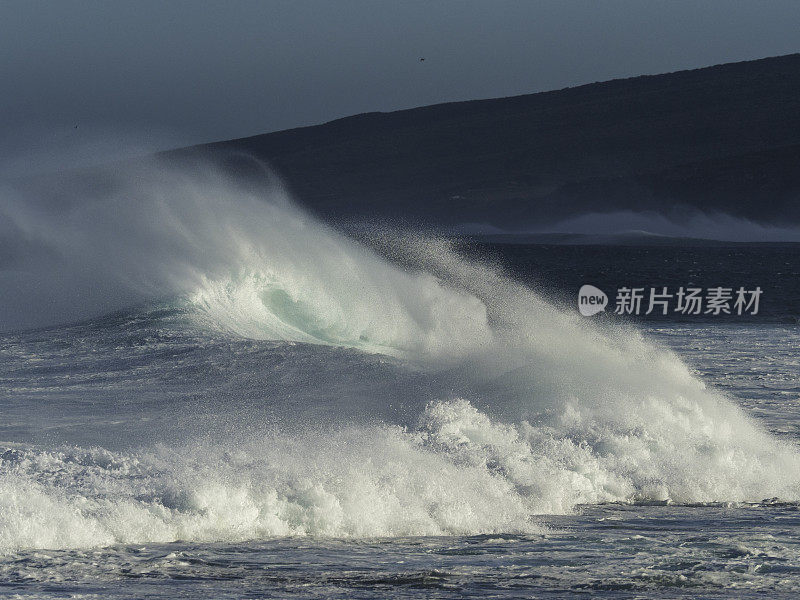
column 723, row 138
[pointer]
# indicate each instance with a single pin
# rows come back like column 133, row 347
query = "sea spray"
column 550, row 411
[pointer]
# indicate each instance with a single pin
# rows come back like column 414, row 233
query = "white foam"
column 563, row 411
column 459, row 472
column 351, row 482
column 618, row 418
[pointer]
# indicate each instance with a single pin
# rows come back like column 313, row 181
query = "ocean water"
column 247, row 404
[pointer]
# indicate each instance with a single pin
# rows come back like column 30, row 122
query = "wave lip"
column 386, row 311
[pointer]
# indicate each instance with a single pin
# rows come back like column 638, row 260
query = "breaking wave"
column 560, row 411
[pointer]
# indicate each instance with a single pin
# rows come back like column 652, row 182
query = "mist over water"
column 678, row 223
column 150, row 231
column 522, row 409
column 690, row 223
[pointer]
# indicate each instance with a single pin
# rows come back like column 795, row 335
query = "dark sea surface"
column 563, row 269
column 276, row 436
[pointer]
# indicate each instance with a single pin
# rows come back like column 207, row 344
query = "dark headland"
column 718, row 139
column 721, row 139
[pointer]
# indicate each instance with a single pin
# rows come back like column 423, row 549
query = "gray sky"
column 169, row 73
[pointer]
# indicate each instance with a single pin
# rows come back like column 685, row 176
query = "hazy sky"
column 169, row 73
